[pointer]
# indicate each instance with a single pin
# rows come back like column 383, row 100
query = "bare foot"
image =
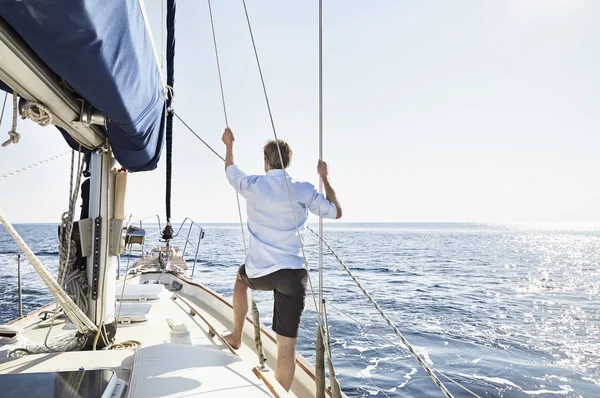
column 233, row 342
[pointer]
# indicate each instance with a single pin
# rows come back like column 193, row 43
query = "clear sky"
column 434, row 111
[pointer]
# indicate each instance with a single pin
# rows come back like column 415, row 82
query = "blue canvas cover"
column 102, row 50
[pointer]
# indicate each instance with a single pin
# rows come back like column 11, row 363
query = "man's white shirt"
column 274, row 243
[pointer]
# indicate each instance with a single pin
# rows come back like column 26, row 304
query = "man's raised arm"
column 237, row 178
column 228, row 140
column 329, row 192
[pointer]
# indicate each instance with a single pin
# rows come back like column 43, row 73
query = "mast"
column 102, row 262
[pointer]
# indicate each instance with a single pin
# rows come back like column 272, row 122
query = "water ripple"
column 508, row 311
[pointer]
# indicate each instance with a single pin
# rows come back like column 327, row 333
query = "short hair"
column 272, row 154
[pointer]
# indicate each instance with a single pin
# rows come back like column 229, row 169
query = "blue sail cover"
column 102, row 50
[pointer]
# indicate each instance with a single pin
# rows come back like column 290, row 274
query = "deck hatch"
column 79, row 383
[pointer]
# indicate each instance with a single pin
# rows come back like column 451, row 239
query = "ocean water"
column 506, row 311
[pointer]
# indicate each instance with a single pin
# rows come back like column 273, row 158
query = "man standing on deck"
column 274, row 260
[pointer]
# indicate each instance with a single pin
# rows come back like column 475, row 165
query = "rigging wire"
column 67, row 231
column 329, row 303
column 197, row 136
column 31, row 166
column 124, row 280
column 394, row 343
column 321, row 146
column 212, row 25
column 379, row 389
column 319, row 313
column 285, row 179
column 323, row 344
column 255, row 316
column 162, row 39
column 221, row 157
column 387, row 319
column 3, row 106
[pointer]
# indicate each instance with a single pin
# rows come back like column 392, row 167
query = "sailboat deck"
column 162, row 365
column 149, row 261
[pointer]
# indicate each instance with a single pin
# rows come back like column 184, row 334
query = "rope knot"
column 167, row 233
column 170, row 98
column 38, row 113
column 14, row 138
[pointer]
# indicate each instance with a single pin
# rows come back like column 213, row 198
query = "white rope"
column 14, row 136
column 387, row 319
column 34, row 165
column 38, row 113
column 78, row 317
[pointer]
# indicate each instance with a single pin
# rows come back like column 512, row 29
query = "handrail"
column 149, row 217
column 187, row 240
column 211, row 329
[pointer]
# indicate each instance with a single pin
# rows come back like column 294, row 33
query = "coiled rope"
column 38, row 113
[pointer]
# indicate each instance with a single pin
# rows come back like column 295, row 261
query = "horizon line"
column 330, row 222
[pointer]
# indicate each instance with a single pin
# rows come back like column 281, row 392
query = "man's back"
column 274, row 242
column 274, row 261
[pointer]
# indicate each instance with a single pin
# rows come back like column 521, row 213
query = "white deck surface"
column 159, row 368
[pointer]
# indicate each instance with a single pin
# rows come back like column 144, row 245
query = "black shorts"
column 289, row 290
